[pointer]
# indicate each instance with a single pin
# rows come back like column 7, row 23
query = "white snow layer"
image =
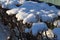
column 31, row 18
column 45, row 14
column 38, row 27
column 21, row 16
column 12, row 11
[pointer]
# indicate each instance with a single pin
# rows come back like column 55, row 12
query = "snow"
column 50, row 34
column 32, row 5
column 58, row 13
column 57, row 23
column 31, row 18
column 54, row 8
column 12, row 11
column 45, row 15
column 49, row 17
column 56, row 31
column 9, row 4
column 44, row 6
column 45, row 11
column 45, row 18
column 28, row 12
column 21, row 16
column 38, row 27
column 1, row 2
column 47, row 7
column 53, row 15
column 34, row 8
column 22, row 1
column 22, row 9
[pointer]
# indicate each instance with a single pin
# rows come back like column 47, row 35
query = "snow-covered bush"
column 29, row 15
column 38, row 27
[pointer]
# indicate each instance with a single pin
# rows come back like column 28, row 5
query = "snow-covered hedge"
column 33, row 12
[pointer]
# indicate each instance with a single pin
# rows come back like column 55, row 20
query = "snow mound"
column 31, row 18
column 21, row 16
column 38, row 27
column 12, row 11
